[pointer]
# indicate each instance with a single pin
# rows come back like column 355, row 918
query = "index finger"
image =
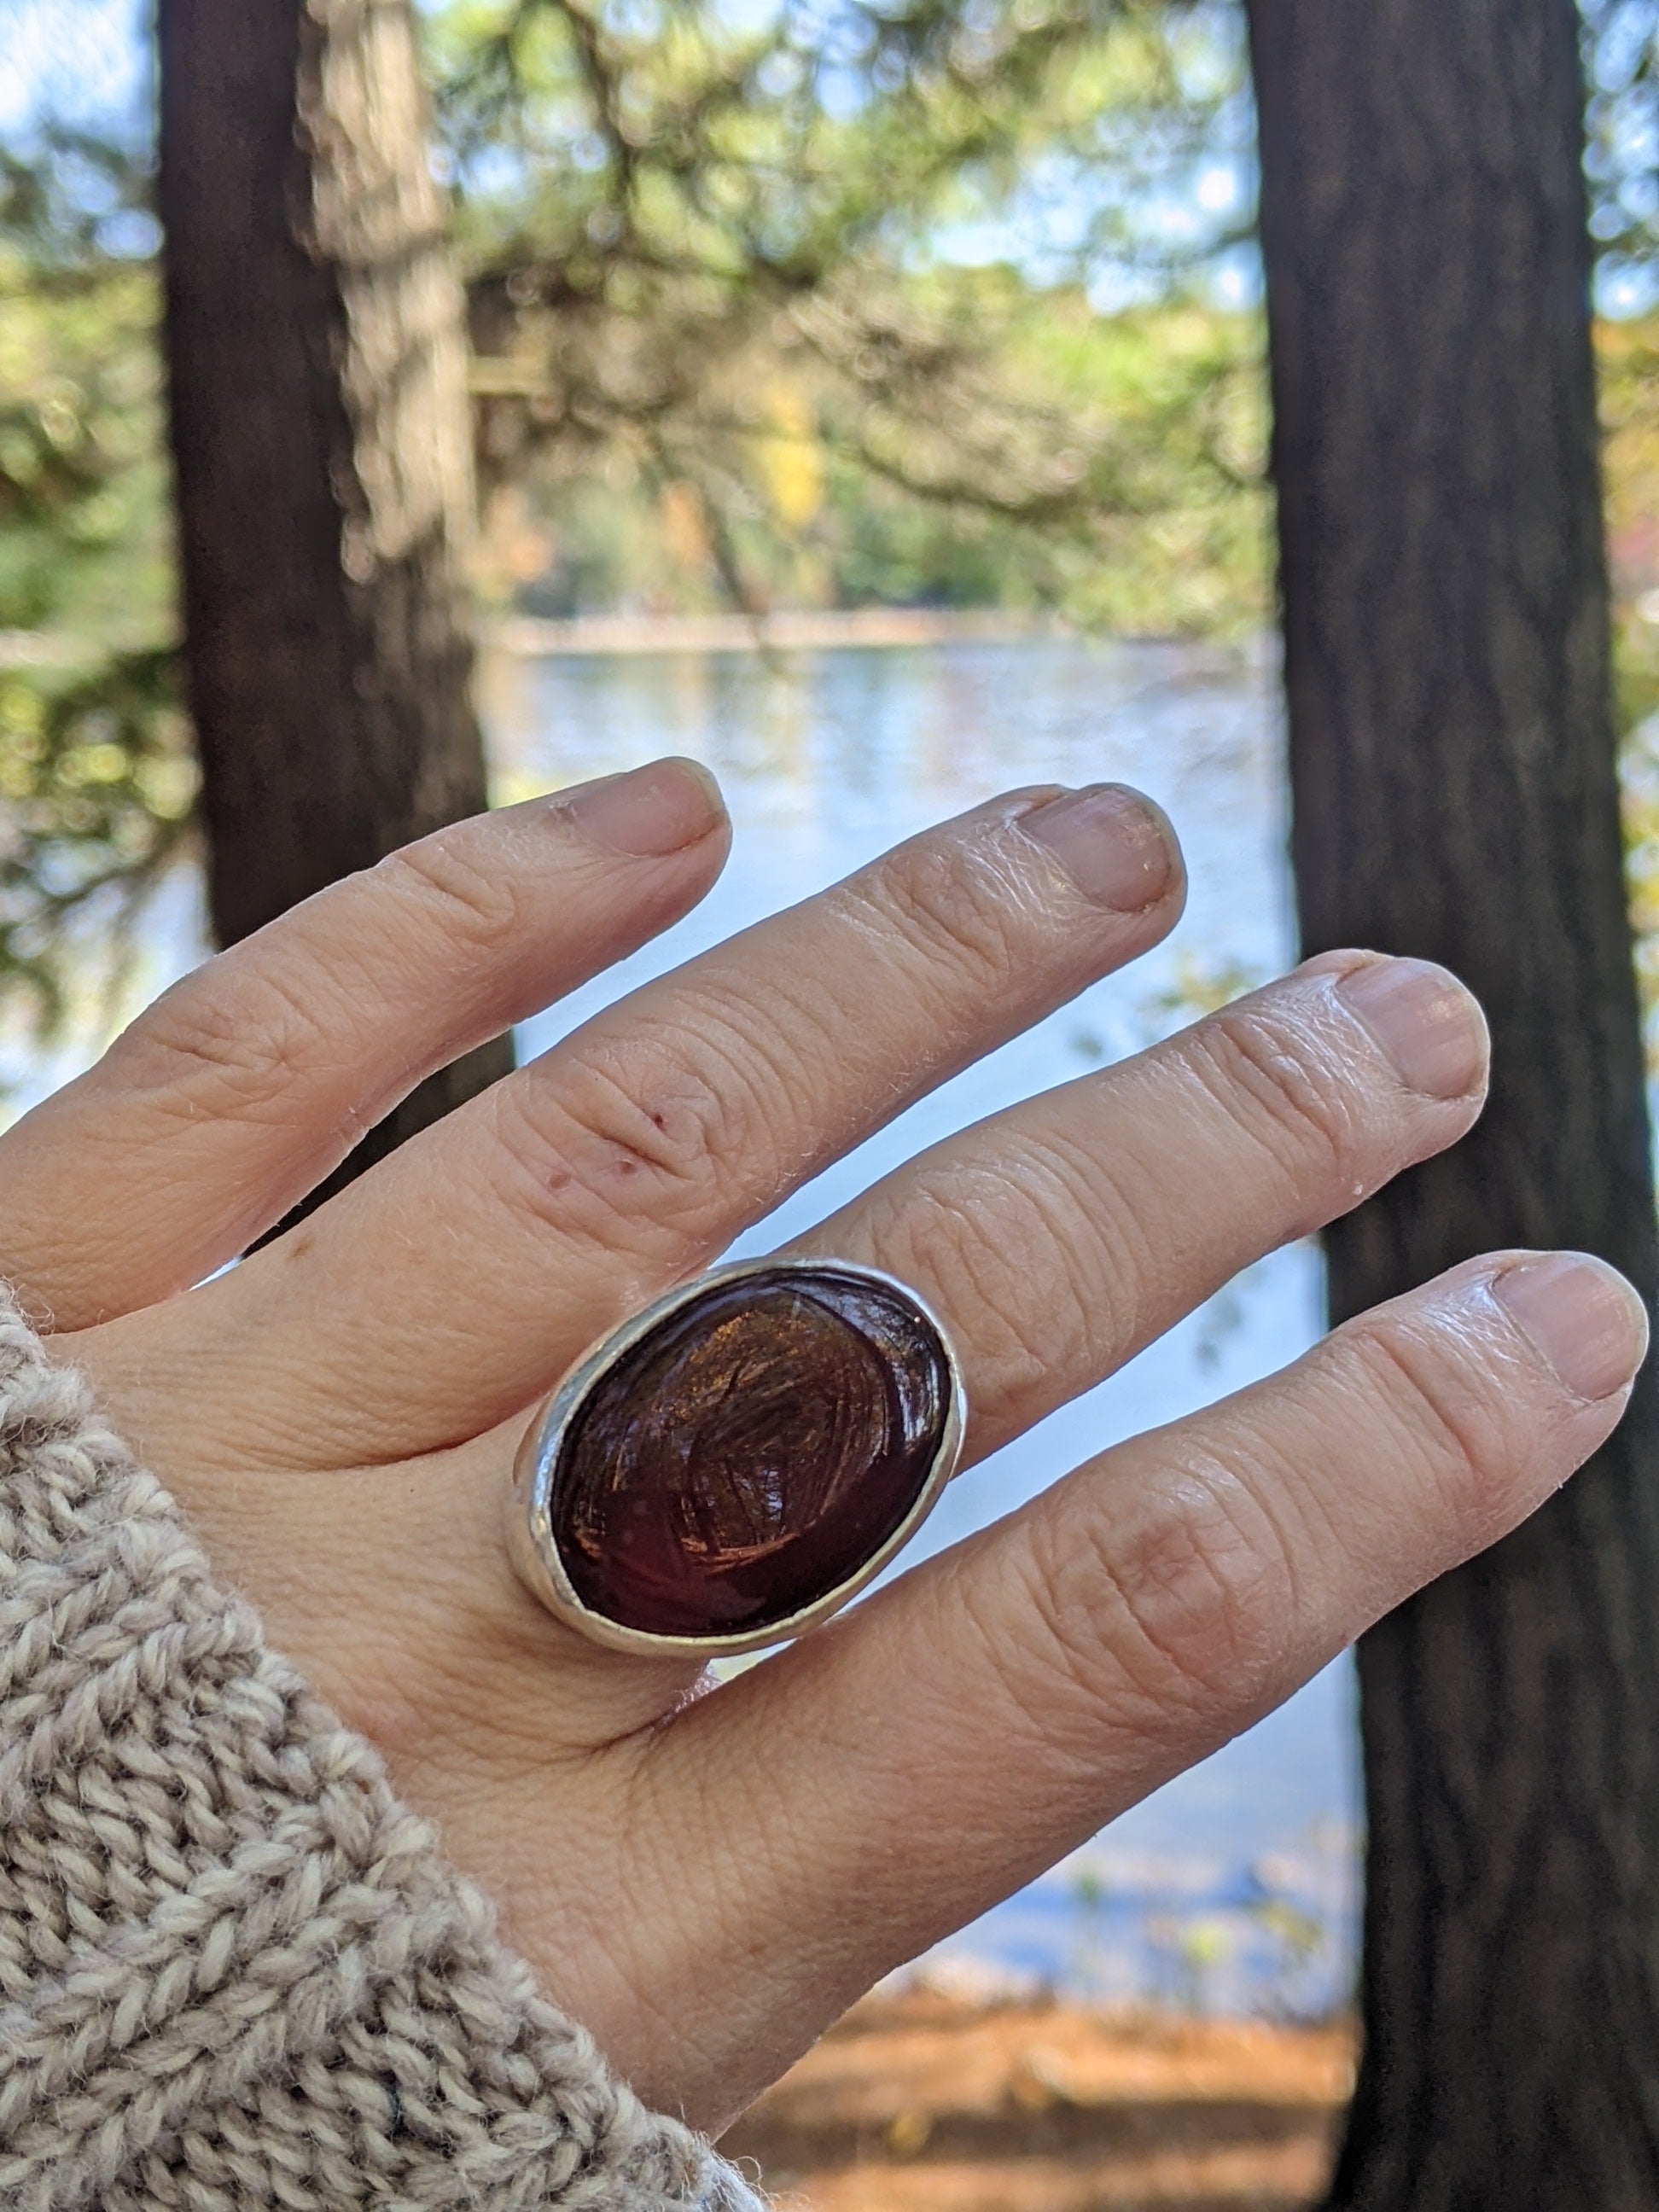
column 244, row 1085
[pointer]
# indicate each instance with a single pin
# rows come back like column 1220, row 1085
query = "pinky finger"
column 1066, row 1662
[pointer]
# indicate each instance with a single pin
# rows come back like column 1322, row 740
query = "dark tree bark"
column 1445, row 613
column 321, row 445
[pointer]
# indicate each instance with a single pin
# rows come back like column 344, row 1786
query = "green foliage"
column 97, row 782
column 1628, row 366
column 1630, row 409
column 837, row 302
column 82, row 494
column 659, row 137
column 734, row 264
column 1178, row 545
column 95, row 773
column 1621, row 67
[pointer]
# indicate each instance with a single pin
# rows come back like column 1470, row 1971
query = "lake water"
column 1235, row 1888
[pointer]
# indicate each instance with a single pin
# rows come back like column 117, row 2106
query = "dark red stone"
column 750, row 1453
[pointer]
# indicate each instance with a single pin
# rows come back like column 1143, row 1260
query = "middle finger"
column 456, row 1281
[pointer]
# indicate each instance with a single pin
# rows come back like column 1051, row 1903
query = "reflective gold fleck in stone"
column 751, row 1452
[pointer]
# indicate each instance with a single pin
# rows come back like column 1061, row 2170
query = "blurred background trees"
column 824, row 291
column 942, row 304
column 947, row 303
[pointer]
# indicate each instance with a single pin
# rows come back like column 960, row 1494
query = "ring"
column 735, row 1462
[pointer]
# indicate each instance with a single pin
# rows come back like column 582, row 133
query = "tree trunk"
column 322, row 450
column 1445, row 615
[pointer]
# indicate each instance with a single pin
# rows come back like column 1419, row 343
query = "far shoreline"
column 802, row 629
column 779, row 630
column 840, row 630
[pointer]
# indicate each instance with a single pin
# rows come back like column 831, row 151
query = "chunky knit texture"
column 234, row 1972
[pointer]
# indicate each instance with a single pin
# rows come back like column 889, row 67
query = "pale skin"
column 707, row 1875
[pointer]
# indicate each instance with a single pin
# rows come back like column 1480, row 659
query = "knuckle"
column 1444, row 1425
column 478, row 908
column 1177, row 1615
column 201, row 1051
column 631, row 1132
column 1279, row 1086
column 948, row 901
column 990, row 1235
column 943, row 1239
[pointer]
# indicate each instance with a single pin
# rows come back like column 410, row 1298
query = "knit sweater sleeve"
column 235, row 1971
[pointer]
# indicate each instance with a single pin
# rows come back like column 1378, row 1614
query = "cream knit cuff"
column 234, row 1972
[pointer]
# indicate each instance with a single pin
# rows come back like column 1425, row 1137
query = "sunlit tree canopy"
column 950, row 302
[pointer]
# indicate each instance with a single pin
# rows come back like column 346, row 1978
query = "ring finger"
column 1060, row 1237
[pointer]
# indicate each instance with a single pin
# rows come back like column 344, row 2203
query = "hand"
column 707, row 1875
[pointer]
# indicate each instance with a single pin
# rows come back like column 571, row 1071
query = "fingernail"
column 1425, row 1022
column 652, row 811
column 1116, row 846
column 1580, row 1314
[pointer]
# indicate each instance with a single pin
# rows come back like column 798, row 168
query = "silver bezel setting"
column 529, row 1525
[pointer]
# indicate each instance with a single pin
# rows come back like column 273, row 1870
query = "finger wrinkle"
column 1457, row 1432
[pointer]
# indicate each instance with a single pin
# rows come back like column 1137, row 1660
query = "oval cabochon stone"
column 750, row 1453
